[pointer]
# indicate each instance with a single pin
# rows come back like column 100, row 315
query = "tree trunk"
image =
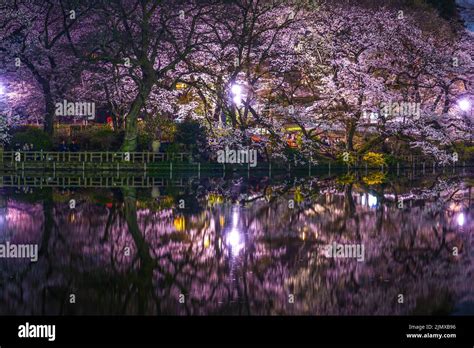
column 350, row 132
column 131, row 130
column 143, row 280
column 48, row 125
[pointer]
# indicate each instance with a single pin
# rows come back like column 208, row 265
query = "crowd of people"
column 73, row 146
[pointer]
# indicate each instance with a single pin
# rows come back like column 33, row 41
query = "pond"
column 401, row 245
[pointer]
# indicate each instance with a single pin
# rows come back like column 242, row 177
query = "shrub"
column 104, row 139
column 192, row 135
column 345, row 158
column 144, row 141
column 465, row 152
column 374, row 178
column 98, row 139
column 346, row 179
column 374, row 159
column 173, row 149
column 31, row 135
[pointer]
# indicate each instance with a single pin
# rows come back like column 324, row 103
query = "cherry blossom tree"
column 147, row 42
column 353, row 59
column 37, row 49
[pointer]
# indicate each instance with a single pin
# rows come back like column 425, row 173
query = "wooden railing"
column 89, row 182
column 92, row 157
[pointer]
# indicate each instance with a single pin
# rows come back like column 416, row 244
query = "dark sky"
column 447, row 8
column 467, row 12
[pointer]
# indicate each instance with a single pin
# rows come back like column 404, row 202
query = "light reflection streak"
column 234, row 236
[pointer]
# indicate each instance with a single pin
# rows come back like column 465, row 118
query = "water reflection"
column 233, row 246
column 234, row 234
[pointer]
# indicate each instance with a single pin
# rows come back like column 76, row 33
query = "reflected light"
column 207, row 241
column 234, row 239
column 371, row 201
column 179, row 224
column 235, row 219
column 72, row 217
column 461, row 219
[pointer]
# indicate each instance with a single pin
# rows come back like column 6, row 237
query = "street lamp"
column 236, row 94
column 236, row 89
column 464, row 104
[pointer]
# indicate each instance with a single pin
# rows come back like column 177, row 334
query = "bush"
column 144, row 141
column 465, row 152
column 192, row 135
column 31, row 136
column 374, row 178
column 346, row 179
column 374, row 159
column 104, row 139
column 173, row 149
column 99, row 138
column 345, row 158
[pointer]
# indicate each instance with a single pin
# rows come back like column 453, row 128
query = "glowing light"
column 233, row 238
column 237, row 100
column 371, row 201
column 236, row 90
column 464, row 105
column 2, row 89
column 180, row 224
column 72, row 217
column 207, row 242
column 235, row 218
column 461, row 219
column 237, row 94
